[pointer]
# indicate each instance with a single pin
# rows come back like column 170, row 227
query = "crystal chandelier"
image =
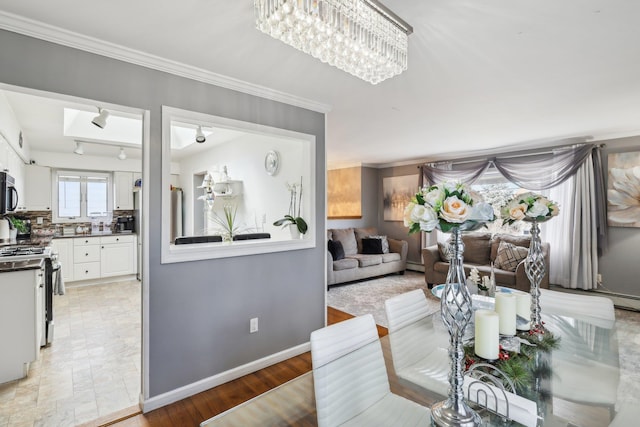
column 361, row 37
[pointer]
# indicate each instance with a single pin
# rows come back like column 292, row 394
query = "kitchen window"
column 81, row 196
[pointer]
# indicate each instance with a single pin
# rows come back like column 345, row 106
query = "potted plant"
column 228, row 222
column 294, row 218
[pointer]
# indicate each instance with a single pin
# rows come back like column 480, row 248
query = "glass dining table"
column 578, row 386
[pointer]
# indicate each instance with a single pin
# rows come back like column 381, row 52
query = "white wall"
column 10, row 129
column 262, row 194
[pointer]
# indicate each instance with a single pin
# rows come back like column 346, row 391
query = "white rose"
column 538, row 209
column 408, row 210
column 429, row 219
column 481, row 212
column 516, row 211
column 434, row 196
column 455, row 210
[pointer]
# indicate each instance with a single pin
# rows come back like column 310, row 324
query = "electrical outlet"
column 253, row 325
column 40, row 220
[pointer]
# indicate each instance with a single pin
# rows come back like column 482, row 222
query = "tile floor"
column 91, row 369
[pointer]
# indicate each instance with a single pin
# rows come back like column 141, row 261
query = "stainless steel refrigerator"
column 176, row 214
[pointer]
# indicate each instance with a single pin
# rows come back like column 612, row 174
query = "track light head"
column 122, row 155
column 101, row 119
column 200, row 138
column 79, row 148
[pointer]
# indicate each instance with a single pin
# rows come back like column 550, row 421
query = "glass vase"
column 456, row 310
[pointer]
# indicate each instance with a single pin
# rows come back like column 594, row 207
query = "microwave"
column 8, row 193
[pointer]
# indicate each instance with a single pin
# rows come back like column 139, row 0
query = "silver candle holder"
column 535, row 268
column 456, row 309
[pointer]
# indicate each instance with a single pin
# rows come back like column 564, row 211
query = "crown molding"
column 21, row 25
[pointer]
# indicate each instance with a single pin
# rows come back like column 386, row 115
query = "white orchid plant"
column 482, row 282
column 446, row 206
column 528, row 207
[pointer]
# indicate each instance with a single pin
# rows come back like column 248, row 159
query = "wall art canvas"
column 344, row 193
column 623, row 190
column 397, row 192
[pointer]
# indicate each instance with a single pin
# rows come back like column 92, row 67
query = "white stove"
column 21, row 253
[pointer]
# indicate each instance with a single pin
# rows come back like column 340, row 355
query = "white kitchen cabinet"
column 64, row 250
column 38, row 188
column 86, row 258
column 19, row 326
column 117, row 255
column 96, row 257
column 123, row 190
column 4, row 154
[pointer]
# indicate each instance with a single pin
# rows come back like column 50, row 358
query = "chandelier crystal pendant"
column 361, row 37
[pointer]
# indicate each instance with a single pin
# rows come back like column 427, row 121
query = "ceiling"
column 483, row 74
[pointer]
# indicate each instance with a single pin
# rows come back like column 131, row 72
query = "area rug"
column 368, row 296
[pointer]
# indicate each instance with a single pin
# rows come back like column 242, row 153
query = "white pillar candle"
column 523, row 309
column 506, row 309
column 487, row 337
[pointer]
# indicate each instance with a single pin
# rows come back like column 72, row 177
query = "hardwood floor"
column 202, row 406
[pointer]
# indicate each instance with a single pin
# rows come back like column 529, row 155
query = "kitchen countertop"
column 98, row 234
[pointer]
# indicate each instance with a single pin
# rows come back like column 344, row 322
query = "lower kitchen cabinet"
column 90, row 258
column 117, row 256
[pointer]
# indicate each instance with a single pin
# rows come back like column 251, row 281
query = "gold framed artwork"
column 397, row 192
column 344, row 193
column 623, row 190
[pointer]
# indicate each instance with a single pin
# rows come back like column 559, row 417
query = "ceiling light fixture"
column 200, row 138
column 79, row 148
column 361, row 37
column 101, row 119
column 121, row 154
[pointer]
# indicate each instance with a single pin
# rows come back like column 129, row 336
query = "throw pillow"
column 385, row 243
column 335, row 247
column 371, row 246
column 509, row 256
column 347, row 237
column 443, row 248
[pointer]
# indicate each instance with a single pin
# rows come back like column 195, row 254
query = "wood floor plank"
column 202, row 406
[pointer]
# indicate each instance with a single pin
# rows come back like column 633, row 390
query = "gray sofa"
column 355, row 265
column 480, row 250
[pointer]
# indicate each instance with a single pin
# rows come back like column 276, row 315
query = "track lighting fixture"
column 79, row 148
column 101, row 119
column 200, row 138
column 122, row 155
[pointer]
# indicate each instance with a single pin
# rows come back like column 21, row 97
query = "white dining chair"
column 419, row 350
column 350, row 379
column 596, row 309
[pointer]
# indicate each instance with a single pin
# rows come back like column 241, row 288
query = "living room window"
column 496, row 190
column 81, row 196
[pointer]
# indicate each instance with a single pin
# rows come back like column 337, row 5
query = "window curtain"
column 573, row 237
column 582, row 202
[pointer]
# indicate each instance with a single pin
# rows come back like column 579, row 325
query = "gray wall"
column 199, row 311
column 619, row 267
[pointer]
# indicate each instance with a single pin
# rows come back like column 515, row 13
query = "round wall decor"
column 272, row 162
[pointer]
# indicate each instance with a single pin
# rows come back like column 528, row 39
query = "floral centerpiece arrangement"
column 451, row 207
column 446, row 206
column 528, row 207
column 295, row 205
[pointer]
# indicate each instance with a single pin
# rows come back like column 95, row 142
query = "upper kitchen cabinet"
column 123, row 188
column 37, row 194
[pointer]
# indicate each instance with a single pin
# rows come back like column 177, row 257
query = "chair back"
column 349, row 373
column 406, row 308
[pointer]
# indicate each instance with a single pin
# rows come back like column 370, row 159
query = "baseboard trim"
column 221, row 378
column 414, row 266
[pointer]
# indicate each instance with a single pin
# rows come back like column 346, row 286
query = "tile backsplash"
column 47, row 223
